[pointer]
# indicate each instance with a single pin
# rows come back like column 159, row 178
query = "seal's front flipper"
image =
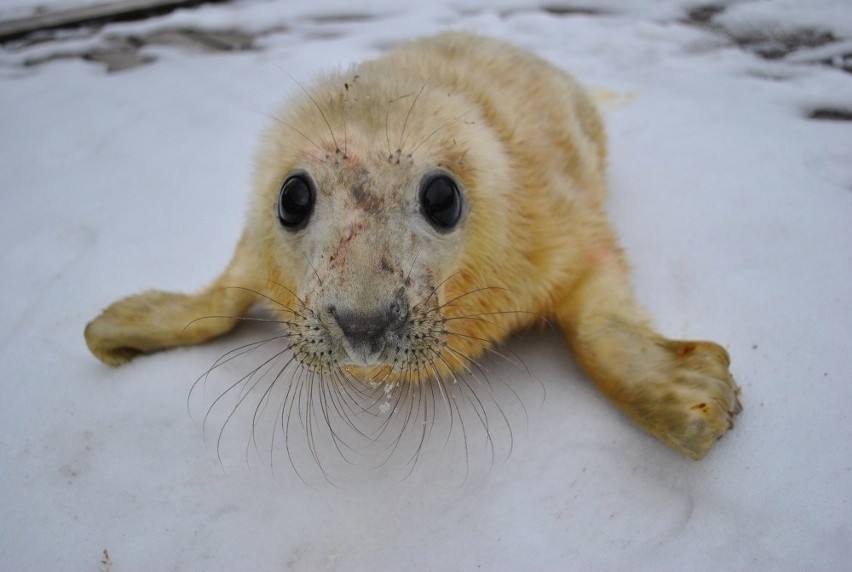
column 156, row 320
column 679, row 391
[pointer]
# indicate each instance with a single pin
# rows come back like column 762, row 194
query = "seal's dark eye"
column 296, row 202
column 440, row 201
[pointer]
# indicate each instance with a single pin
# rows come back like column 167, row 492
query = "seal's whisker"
column 485, row 343
column 402, row 134
column 413, row 262
column 247, row 386
column 277, row 303
column 402, row 397
column 517, row 361
column 444, row 391
column 387, row 128
column 418, row 411
column 259, row 410
column 481, row 413
column 464, row 434
column 222, row 360
column 334, row 398
column 391, row 101
column 479, row 406
column 494, row 313
column 241, row 319
column 336, row 409
column 225, row 358
column 313, row 426
column 289, row 291
column 265, row 399
column 280, row 414
column 429, row 407
column 435, row 378
column 376, row 370
column 318, row 108
column 434, row 290
column 304, row 414
column 343, row 409
column 308, row 139
column 343, row 109
column 412, row 411
column 354, row 393
column 308, row 421
column 487, row 376
column 343, row 401
column 289, row 403
column 488, row 346
column 325, row 409
column 473, row 318
column 304, row 374
column 328, row 408
column 313, row 268
column 245, row 380
column 403, row 409
column 388, row 407
column 476, row 402
column 468, row 293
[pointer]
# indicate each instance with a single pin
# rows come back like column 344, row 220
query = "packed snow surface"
column 731, row 187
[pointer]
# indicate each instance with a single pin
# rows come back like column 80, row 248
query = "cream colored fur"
column 528, row 150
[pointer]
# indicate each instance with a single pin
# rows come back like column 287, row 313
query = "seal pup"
column 408, row 214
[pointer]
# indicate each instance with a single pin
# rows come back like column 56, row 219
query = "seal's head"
column 375, row 229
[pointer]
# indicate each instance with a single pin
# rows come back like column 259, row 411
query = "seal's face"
column 376, row 238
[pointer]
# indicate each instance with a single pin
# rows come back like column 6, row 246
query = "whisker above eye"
column 316, row 105
column 402, row 135
column 297, row 131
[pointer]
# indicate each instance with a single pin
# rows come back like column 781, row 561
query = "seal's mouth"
column 365, row 354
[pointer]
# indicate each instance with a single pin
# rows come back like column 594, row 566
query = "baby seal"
column 409, row 214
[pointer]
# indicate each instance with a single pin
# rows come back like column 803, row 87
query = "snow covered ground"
column 731, row 178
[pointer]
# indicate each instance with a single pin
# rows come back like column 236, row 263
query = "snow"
column 13, row 9
column 763, row 17
column 733, row 204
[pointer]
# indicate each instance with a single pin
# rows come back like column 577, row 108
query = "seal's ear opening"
column 440, row 201
column 296, row 201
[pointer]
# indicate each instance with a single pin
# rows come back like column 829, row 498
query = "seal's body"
column 411, row 213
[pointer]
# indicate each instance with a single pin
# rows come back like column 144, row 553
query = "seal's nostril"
column 398, row 310
column 331, row 309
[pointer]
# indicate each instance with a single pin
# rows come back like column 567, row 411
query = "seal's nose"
column 367, row 331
